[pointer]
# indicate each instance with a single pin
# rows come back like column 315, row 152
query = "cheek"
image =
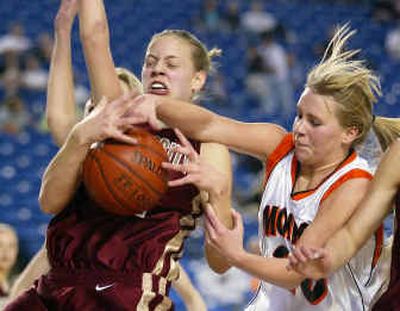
column 181, row 83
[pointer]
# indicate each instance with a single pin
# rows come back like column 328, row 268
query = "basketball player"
column 61, row 116
column 377, row 204
column 314, row 181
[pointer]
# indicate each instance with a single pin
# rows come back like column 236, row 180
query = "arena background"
column 300, row 27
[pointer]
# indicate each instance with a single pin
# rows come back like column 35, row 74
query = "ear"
column 350, row 135
column 199, row 80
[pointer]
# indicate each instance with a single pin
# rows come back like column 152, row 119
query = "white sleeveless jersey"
column 282, row 219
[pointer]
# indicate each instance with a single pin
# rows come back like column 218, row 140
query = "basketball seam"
column 161, row 154
column 133, row 172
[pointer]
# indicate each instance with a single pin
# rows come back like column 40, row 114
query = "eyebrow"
column 168, row 57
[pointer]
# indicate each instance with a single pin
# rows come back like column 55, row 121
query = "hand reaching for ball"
column 196, row 170
column 106, row 120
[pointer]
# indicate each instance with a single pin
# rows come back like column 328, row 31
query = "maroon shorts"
column 94, row 291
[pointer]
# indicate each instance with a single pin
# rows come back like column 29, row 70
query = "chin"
column 302, row 156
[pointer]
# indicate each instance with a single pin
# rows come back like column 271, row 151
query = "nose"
column 299, row 126
column 158, row 69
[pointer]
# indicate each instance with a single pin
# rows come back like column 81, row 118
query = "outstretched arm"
column 377, row 203
column 63, row 174
column 95, row 41
column 60, row 107
column 255, row 139
column 38, row 266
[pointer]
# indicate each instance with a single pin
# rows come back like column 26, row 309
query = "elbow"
column 219, row 268
column 217, row 263
column 45, row 203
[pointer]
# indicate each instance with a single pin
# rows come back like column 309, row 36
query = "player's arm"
column 95, row 39
column 189, row 294
column 332, row 215
column 376, row 205
column 61, row 112
column 255, row 139
column 210, row 171
column 220, row 197
column 63, row 175
column 38, row 266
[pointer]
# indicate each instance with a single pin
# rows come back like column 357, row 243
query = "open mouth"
column 158, row 88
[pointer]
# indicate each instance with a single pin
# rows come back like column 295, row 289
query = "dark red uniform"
column 390, row 300
column 101, row 261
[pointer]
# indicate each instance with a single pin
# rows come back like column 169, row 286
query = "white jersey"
column 283, row 216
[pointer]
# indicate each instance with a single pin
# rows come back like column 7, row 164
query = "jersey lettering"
column 277, row 222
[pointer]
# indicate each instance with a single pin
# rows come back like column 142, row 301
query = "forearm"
column 222, row 206
column 60, row 108
column 271, row 270
column 192, row 120
column 62, row 176
column 95, row 41
column 188, row 293
column 219, row 195
column 254, row 139
column 38, row 266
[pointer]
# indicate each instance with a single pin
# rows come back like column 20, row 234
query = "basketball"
column 126, row 179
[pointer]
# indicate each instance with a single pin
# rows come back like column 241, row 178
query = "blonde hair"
column 354, row 87
column 129, row 79
column 125, row 76
column 202, row 57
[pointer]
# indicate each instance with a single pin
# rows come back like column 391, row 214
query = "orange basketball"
column 126, row 179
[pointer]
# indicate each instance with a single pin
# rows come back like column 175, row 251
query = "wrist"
column 238, row 258
column 79, row 138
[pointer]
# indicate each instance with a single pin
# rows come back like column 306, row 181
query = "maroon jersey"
column 102, row 261
column 390, row 300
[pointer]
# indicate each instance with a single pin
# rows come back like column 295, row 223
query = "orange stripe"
column 303, row 194
column 355, row 173
column 378, row 246
column 286, row 145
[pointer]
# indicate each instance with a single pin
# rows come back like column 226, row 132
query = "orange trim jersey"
column 283, row 217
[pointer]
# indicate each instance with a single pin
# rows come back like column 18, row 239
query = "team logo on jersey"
column 173, row 156
column 277, row 221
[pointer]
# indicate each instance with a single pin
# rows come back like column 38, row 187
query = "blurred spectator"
column 209, row 19
column 43, row 48
column 386, row 10
column 8, row 258
column 13, row 115
column 256, row 75
column 275, row 60
column 231, row 16
column 34, row 77
column 392, row 42
column 216, row 89
column 257, row 21
column 320, row 47
column 10, row 77
column 15, row 40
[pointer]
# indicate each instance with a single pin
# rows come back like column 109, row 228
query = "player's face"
column 168, row 69
column 8, row 250
column 319, row 138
